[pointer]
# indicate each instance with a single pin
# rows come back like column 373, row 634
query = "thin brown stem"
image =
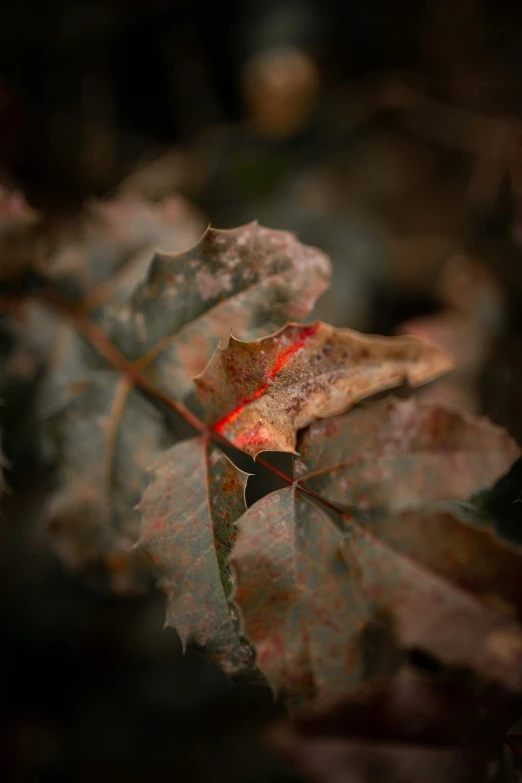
column 108, row 350
column 105, row 348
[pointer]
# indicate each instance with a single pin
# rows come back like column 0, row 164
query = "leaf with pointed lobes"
column 259, row 394
column 188, row 529
column 327, row 608
column 295, row 598
column 106, row 439
column 399, row 454
column 249, row 280
column 98, row 260
column 104, row 254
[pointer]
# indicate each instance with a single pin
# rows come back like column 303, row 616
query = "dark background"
column 404, row 158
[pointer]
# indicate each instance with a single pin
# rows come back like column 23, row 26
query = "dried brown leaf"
column 259, row 394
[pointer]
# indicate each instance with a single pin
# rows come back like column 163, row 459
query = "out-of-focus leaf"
column 189, row 512
column 472, row 316
column 499, row 508
column 106, row 253
column 446, row 587
column 110, row 435
column 19, row 234
column 405, row 729
column 397, row 455
column 259, row 394
column 97, row 261
column 249, row 279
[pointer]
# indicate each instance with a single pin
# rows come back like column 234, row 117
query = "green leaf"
column 295, row 599
column 272, row 276
column 249, row 280
column 110, row 435
column 327, row 608
column 189, row 513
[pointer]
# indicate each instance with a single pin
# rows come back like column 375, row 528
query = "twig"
column 108, row 350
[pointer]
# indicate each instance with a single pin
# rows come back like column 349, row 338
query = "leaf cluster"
column 392, row 540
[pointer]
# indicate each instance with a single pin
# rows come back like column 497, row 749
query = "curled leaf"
column 259, row 394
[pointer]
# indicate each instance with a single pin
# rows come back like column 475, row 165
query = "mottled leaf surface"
column 400, row 454
column 110, row 435
column 246, row 277
column 189, row 513
column 258, row 394
column 295, row 597
column 249, row 279
column 414, row 581
column 447, row 588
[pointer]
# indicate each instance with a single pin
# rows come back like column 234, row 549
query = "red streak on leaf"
column 280, row 361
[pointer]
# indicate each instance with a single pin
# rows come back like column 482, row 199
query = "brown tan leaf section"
column 258, row 394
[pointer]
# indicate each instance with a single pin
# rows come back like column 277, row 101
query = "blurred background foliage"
column 388, row 133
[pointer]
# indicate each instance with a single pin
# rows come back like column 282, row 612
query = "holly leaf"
column 394, row 455
column 104, row 254
column 189, row 512
column 294, row 595
column 328, row 608
column 259, row 394
column 321, row 622
column 96, row 261
column 249, row 279
column 109, row 436
column 266, row 270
